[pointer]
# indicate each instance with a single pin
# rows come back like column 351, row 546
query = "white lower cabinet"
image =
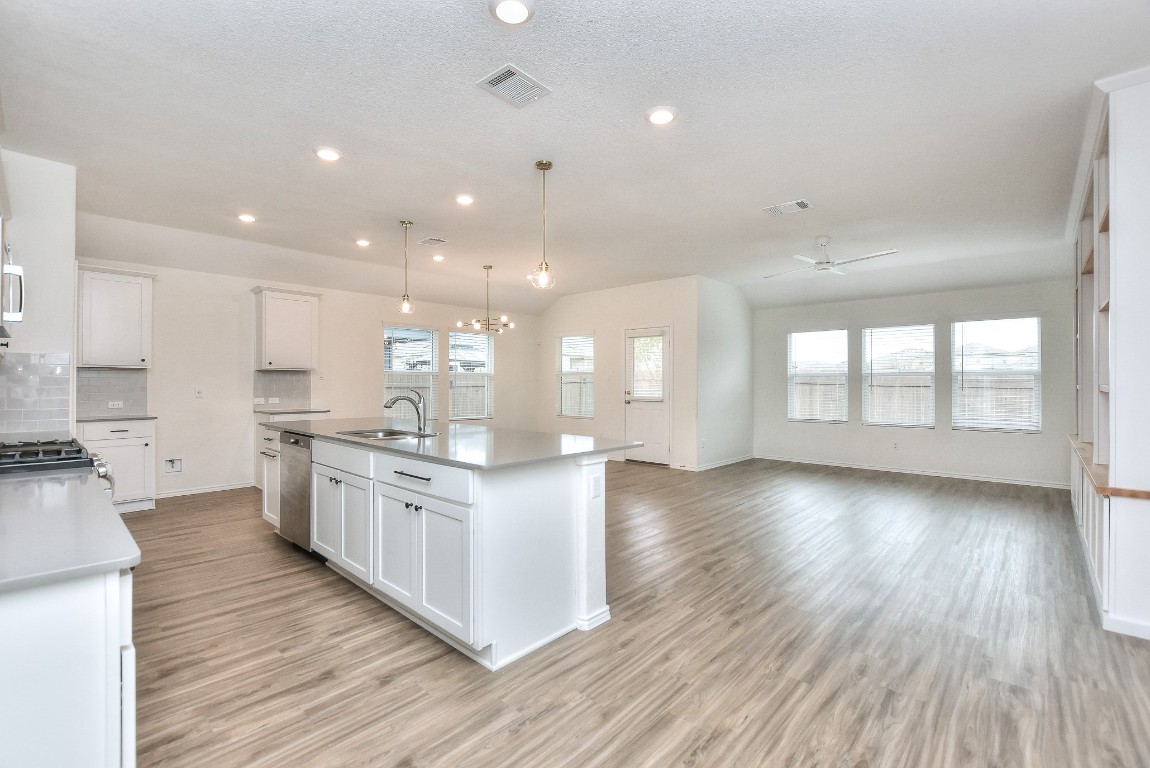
column 342, row 519
column 270, row 475
column 129, row 448
column 425, row 557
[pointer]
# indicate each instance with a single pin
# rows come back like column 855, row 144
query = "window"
column 470, row 362
column 817, row 376
column 411, row 361
column 898, row 376
column 997, row 375
column 577, row 376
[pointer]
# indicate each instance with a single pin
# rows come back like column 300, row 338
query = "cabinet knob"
column 408, row 505
column 146, row 444
column 418, row 507
column 142, row 360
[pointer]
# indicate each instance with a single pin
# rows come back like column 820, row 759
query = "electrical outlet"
column 273, row 400
column 895, row 446
column 173, row 466
column 596, row 487
column 116, row 404
column 257, row 401
column 199, row 391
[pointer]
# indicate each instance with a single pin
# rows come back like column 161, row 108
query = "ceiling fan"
column 826, row 264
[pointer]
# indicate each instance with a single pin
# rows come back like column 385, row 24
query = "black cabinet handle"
column 269, row 455
column 418, row 507
column 408, row 505
column 117, row 430
column 413, row 477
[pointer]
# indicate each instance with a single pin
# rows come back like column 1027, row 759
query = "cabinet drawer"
column 355, row 461
column 113, row 430
column 267, row 439
column 454, row 483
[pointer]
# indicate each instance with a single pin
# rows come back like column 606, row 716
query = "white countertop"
column 59, row 525
column 470, row 446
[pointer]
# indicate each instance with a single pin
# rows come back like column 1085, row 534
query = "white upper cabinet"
column 115, row 320
column 287, row 330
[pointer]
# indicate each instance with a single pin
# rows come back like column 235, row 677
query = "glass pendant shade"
column 543, row 276
column 406, row 305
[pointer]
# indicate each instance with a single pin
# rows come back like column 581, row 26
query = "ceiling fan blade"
column 868, row 256
column 806, row 259
column 788, row 272
column 835, row 270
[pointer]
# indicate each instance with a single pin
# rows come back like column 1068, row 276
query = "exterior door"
column 647, row 398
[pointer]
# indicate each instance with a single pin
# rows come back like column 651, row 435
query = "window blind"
column 817, row 376
column 997, row 375
column 898, row 376
column 576, row 376
column 411, row 361
column 470, row 363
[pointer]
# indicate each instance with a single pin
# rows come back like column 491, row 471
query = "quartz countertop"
column 59, row 525
column 90, row 419
column 470, row 446
column 274, row 411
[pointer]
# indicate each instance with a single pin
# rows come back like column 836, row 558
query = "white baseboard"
column 929, row 473
column 717, row 464
column 205, row 489
column 601, row 616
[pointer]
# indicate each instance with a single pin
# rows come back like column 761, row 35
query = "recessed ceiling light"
column 465, row 199
column 247, row 218
column 661, row 115
column 437, row 257
column 363, row 243
column 327, row 153
column 512, row 11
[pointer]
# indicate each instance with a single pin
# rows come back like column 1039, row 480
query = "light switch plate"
column 273, row 400
column 257, row 401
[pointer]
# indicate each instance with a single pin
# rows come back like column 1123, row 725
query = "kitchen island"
column 66, row 653
column 492, row 539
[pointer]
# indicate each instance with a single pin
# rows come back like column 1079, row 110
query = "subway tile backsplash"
column 96, row 387
column 293, row 388
column 34, row 392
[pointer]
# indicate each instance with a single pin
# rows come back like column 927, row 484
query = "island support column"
column 591, row 543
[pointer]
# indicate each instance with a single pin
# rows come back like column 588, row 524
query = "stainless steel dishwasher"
column 295, row 488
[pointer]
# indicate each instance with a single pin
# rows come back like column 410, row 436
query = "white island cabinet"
column 491, row 539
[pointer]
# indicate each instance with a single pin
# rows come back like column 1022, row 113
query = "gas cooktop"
column 38, row 455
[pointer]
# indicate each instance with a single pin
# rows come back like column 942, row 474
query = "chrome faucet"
column 420, row 415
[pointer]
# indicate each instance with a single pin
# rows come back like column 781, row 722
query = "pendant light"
column 487, row 323
column 543, row 277
column 406, row 306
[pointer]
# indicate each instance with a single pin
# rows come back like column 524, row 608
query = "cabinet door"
column 289, row 331
column 271, row 486
column 130, row 465
column 395, row 543
column 445, row 577
column 324, row 511
column 115, row 320
column 355, row 525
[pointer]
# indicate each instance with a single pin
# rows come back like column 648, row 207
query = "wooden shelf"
column 1100, row 473
column 1104, row 224
column 1105, row 307
column 1088, row 265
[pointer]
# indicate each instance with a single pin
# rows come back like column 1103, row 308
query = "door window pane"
column 646, row 367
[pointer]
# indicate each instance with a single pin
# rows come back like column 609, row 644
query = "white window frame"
column 425, row 381
column 581, row 381
column 837, row 378
column 892, row 373
column 459, row 378
column 965, row 375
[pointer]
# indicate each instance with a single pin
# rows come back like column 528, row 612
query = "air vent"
column 513, row 86
column 792, row 207
column 435, row 241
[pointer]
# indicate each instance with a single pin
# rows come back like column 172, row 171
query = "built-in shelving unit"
column 1110, row 483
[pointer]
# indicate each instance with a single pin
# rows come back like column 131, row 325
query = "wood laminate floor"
column 764, row 614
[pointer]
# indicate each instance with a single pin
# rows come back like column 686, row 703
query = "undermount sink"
column 385, row 434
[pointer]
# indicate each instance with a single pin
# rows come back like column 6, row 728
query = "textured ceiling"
column 950, row 131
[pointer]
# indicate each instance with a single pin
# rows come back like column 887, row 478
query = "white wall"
column 725, row 364
column 606, row 315
column 42, row 233
column 1040, row 459
column 204, row 336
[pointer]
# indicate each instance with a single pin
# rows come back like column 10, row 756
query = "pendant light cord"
column 406, row 227
column 545, row 217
